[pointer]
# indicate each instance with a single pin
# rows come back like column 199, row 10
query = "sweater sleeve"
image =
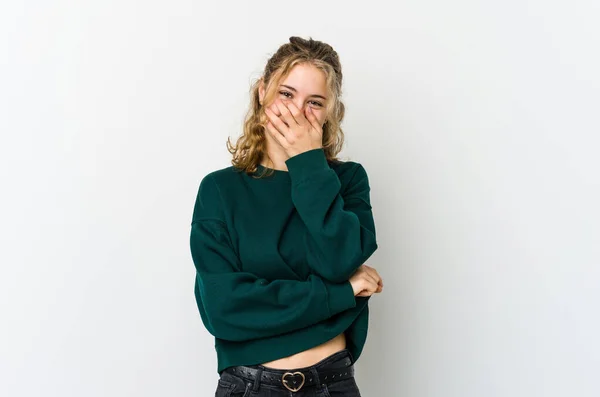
column 341, row 230
column 236, row 305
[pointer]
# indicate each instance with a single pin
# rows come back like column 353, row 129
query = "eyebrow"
column 313, row 95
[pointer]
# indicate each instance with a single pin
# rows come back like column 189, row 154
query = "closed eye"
column 285, row 93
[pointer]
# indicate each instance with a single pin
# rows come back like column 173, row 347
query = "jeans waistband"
column 332, row 368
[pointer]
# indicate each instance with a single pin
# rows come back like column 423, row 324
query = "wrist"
column 292, row 153
column 307, row 163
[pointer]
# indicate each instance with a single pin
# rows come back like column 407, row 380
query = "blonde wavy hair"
column 251, row 145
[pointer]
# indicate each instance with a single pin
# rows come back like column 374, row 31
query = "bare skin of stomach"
column 311, row 356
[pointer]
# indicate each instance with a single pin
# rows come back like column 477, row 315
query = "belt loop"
column 315, row 373
column 351, row 357
column 258, row 378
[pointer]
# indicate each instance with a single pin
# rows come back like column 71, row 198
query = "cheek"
column 319, row 114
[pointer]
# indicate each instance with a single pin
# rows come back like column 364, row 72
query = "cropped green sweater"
column 273, row 257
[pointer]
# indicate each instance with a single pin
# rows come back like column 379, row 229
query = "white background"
column 477, row 121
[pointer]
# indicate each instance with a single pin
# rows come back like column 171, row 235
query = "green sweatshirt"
column 273, row 256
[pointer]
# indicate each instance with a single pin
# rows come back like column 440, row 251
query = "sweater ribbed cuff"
column 306, row 163
column 340, row 296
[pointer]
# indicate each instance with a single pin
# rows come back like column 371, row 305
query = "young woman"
column 280, row 239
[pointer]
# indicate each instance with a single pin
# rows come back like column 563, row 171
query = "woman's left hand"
column 294, row 130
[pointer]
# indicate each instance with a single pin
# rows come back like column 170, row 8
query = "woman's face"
column 306, row 87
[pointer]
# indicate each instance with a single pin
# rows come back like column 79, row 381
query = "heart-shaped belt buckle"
column 292, row 374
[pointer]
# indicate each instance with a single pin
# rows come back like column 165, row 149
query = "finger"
column 277, row 112
column 365, row 292
column 314, row 122
column 286, row 115
column 373, row 272
column 280, row 127
column 376, row 276
column 295, row 112
column 370, row 286
column 368, row 293
column 375, row 286
column 370, row 278
column 276, row 135
column 369, row 290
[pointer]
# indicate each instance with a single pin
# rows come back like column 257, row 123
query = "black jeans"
column 234, row 381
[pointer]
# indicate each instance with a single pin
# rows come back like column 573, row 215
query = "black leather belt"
column 292, row 380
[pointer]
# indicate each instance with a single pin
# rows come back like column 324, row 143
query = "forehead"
column 307, row 79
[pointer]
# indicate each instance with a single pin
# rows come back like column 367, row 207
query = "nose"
column 298, row 104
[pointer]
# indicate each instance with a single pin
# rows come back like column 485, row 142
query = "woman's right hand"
column 366, row 281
